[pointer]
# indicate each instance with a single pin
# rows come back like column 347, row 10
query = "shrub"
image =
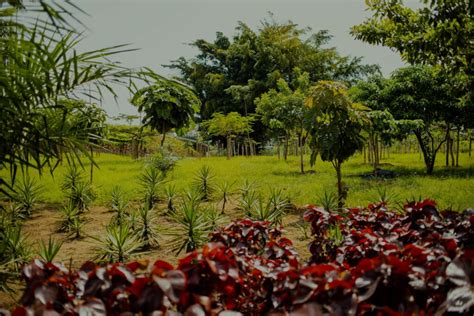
column 163, row 161
column 145, row 228
column 27, row 193
column 118, row 244
column 204, row 183
column 151, row 180
column 48, row 251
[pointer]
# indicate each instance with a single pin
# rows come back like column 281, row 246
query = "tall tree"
column 228, row 126
column 166, row 105
column 420, row 93
column 335, row 127
column 285, row 109
column 228, row 74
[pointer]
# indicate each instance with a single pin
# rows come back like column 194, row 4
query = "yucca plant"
column 81, row 195
column 214, row 217
column 265, row 211
column 247, row 187
column 146, row 227
column 15, row 246
column 151, row 180
column 225, row 191
column 193, row 197
column 118, row 244
column 190, row 229
column 305, row 230
column 384, row 196
column 248, row 202
column 27, row 193
column 279, row 201
column 119, row 204
column 48, row 251
column 132, row 219
column 328, row 201
column 204, row 182
column 170, row 195
column 77, row 228
column 70, row 222
column 72, row 177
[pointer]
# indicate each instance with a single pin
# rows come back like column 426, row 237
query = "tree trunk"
column 451, row 152
column 285, row 149
column 470, row 143
column 457, row 146
column 229, row 147
column 92, row 164
column 340, row 192
column 278, row 149
column 300, row 141
column 163, row 140
column 447, row 145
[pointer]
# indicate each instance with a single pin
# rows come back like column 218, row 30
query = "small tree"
column 335, row 127
column 285, row 109
column 167, row 104
column 228, row 126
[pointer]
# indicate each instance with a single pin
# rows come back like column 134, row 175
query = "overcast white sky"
column 161, row 28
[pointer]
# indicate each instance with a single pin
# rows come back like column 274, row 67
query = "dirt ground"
column 75, row 252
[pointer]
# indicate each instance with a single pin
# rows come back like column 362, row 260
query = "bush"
column 163, row 161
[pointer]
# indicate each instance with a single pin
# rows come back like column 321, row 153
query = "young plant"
column 81, row 196
column 77, row 228
column 278, row 201
column 214, row 217
column 266, row 211
column 248, row 202
column 204, row 183
column 48, row 251
column 119, row 203
column 146, row 227
column 67, row 214
column 72, row 177
column 164, row 161
column 15, row 246
column 328, row 201
column 190, row 229
column 26, row 194
column 170, row 195
column 118, row 244
column 225, row 191
column 150, row 181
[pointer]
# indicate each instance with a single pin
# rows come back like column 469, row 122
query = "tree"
column 335, row 127
column 228, row 74
column 166, row 104
column 421, row 93
column 228, row 126
column 285, row 109
column 383, row 127
column 439, row 33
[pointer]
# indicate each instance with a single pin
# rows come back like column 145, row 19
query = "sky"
column 162, row 29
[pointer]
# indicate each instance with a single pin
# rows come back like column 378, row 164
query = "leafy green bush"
column 163, row 160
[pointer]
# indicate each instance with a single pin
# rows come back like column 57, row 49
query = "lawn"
column 450, row 187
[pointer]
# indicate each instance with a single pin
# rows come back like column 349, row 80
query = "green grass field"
column 450, row 187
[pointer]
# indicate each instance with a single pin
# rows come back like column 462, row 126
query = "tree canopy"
column 228, row 74
column 166, row 105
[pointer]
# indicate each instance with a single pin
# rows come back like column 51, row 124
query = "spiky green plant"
column 72, row 177
column 15, row 246
column 48, row 251
column 225, row 191
column 118, row 244
column 384, row 196
column 132, row 219
column 279, row 201
column 146, row 227
column 27, row 193
column 328, row 201
column 204, row 182
column 170, row 195
column 77, row 228
column 71, row 222
column 119, row 204
column 265, row 211
column 193, row 197
column 248, row 202
column 247, row 187
column 190, row 228
column 214, row 217
column 81, row 195
column 305, row 230
column 150, row 180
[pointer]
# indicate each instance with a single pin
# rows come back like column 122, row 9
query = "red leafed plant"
column 379, row 262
